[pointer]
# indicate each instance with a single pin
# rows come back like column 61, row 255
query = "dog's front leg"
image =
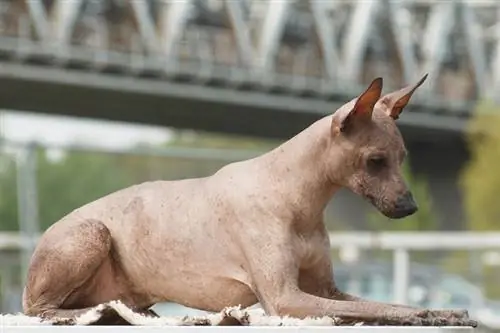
column 461, row 314
column 274, row 269
column 319, row 280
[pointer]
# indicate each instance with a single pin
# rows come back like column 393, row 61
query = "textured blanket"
column 234, row 316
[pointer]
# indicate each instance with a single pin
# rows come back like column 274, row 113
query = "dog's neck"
column 297, row 169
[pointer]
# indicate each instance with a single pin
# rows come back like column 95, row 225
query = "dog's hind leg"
column 66, row 259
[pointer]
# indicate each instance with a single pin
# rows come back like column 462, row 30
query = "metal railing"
column 399, row 243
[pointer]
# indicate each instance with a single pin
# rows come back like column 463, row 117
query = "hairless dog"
column 252, row 232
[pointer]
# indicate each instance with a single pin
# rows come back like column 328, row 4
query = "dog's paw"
column 63, row 321
column 463, row 322
column 415, row 320
column 460, row 314
column 452, row 321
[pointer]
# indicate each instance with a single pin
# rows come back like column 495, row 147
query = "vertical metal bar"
column 102, row 42
column 356, row 38
column 475, row 45
column 39, row 18
column 24, row 44
column 146, row 24
column 401, row 275
column 204, row 50
column 401, row 28
column 27, row 195
column 173, row 20
column 326, row 36
column 64, row 16
column 136, row 55
column 240, row 31
column 270, row 35
column 438, row 29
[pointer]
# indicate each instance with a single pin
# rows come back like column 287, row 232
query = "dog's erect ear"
column 396, row 101
column 359, row 109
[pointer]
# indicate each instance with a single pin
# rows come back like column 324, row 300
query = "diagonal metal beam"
column 63, row 18
column 475, row 45
column 435, row 37
column 270, row 34
column 240, row 31
column 326, row 33
column 173, row 18
column 356, row 38
column 38, row 17
column 400, row 17
column 145, row 24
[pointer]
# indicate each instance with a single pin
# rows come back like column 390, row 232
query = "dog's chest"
column 309, row 249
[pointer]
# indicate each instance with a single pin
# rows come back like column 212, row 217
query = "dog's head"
column 369, row 149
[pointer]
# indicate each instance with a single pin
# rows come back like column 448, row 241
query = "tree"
column 8, row 193
column 480, row 181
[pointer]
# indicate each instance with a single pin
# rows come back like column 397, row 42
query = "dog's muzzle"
column 405, row 206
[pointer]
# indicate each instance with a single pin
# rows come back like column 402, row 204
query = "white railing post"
column 27, row 194
column 401, row 280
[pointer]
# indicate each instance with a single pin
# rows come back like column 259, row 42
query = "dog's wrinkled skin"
column 252, row 232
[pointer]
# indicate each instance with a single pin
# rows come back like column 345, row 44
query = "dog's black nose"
column 405, row 206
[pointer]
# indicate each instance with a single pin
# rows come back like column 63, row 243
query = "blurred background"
column 96, row 95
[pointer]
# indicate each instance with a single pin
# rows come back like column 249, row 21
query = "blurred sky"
column 24, row 127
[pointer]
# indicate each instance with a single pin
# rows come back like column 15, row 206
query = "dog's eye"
column 377, row 163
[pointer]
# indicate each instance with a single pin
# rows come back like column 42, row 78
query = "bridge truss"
column 302, row 46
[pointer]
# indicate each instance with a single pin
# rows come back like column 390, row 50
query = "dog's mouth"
column 376, row 203
column 399, row 214
column 392, row 213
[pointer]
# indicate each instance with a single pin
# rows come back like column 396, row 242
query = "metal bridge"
column 260, row 67
column 256, row 67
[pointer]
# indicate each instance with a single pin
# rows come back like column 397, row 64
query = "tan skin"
column 252, row 232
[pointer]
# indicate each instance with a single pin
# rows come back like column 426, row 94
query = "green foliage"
column 424, row 219
column 8, row 193
column 480, row 179
column 62, row 186
column 80, row 178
